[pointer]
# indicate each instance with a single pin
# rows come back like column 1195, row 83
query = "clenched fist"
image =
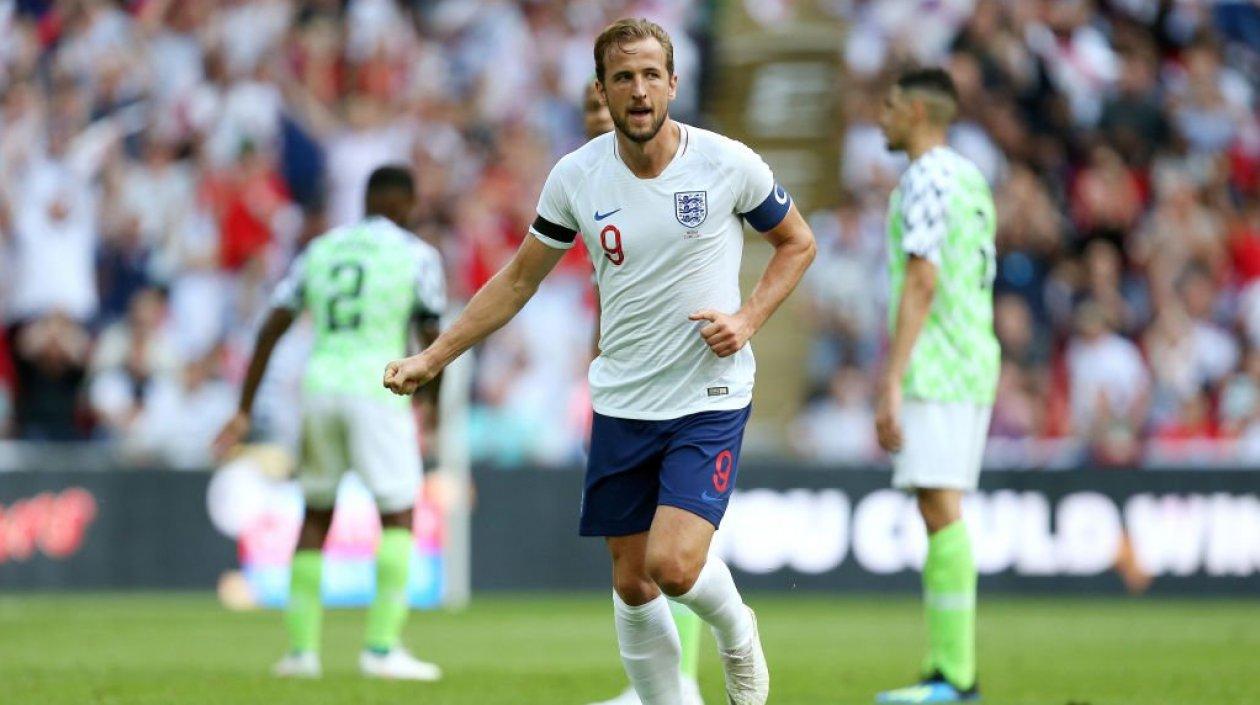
column 404, row 377
column 725, row 333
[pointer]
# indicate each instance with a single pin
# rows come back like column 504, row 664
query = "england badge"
column 691, row 208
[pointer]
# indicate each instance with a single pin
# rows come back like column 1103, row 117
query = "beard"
column 622, row 123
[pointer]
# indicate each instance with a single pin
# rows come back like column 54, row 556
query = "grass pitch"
column 186, row 650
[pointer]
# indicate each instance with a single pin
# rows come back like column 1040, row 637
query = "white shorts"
column 375, row 439
column 942, row 444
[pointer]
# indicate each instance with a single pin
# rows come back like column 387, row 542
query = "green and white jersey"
column 363, row 285
column 942, row 210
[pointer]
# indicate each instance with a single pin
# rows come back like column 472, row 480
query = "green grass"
column 186, row 650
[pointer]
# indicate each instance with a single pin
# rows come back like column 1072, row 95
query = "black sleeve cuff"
column 550, row 230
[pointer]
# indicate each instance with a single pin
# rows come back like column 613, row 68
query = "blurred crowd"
column 1122, row 142
column 161, row 162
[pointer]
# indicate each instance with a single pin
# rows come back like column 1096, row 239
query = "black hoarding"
column 789, row 528
column 108, row 530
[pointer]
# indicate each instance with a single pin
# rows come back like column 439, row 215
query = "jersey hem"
column 734, row 404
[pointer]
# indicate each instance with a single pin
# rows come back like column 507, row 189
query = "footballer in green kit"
column 937, row 389
column 366, row 286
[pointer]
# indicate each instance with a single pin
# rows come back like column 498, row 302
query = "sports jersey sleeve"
column 555, row 225
column 289, row 292
column 762, row 202
column 923, row 212
column 430, row 285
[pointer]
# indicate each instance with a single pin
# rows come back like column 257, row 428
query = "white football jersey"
column 663, row 249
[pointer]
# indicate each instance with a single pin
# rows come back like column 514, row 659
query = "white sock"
column 650, row 650
column 716, row 600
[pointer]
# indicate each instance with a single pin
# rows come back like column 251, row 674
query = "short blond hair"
column 631, row 30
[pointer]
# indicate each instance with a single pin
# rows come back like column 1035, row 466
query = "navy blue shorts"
column 635, row 466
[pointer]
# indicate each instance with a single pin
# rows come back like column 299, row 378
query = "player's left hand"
column 726, row 334
column 888, row 417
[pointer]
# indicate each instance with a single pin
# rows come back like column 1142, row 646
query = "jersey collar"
column 684, row 140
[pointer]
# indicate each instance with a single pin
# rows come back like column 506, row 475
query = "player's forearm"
column 912, row 313
column 489, row 310
column 429, row 332
column 784, row 271
column 278, row 321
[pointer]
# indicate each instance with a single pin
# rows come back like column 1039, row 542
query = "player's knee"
column 635, row 589
column 397, row 520
column 939, row 509
column 315, row 526
column 674, row 574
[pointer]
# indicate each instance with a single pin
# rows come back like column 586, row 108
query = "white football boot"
column 397, row 664
column 299, row 664
column 747, row 676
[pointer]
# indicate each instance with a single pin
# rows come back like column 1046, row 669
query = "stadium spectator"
column 1108, row 387
column 839, row 427
column 53, row 233
column 841, row 285
column 129, row 357
column 50, row 355
column 182, row 413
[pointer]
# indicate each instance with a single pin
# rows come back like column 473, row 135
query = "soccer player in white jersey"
column 365, row 286
column 943, row 357
column 597, row 121
column 661, row 207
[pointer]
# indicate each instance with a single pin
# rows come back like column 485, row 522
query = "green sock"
column 388, row 612
column 306, row 609
column 688, row 624
column 949, row 595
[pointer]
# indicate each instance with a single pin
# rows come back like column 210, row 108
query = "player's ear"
column 673, row 86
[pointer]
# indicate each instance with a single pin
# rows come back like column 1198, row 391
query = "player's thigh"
column 938, row 445
column 385, row 452
column 699, row 471
column 622, row 476
column 324, row 451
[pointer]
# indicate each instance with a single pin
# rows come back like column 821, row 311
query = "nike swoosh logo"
column 710, row 498
column 780, row 195
column 600, row 216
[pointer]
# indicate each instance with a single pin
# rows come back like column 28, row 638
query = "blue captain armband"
column 772, row 211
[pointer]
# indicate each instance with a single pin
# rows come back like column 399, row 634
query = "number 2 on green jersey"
column 343, row 307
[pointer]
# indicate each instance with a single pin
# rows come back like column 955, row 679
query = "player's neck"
column 647, row 160
column 924, row 142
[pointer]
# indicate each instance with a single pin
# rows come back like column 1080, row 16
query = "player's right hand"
column 888, row 416
column 404, row 377
column 233, row 432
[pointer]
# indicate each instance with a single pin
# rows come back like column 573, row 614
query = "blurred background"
column 162, row 161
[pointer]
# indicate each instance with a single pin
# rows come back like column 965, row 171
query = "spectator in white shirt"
column 54, row 236
column 1108, row 381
